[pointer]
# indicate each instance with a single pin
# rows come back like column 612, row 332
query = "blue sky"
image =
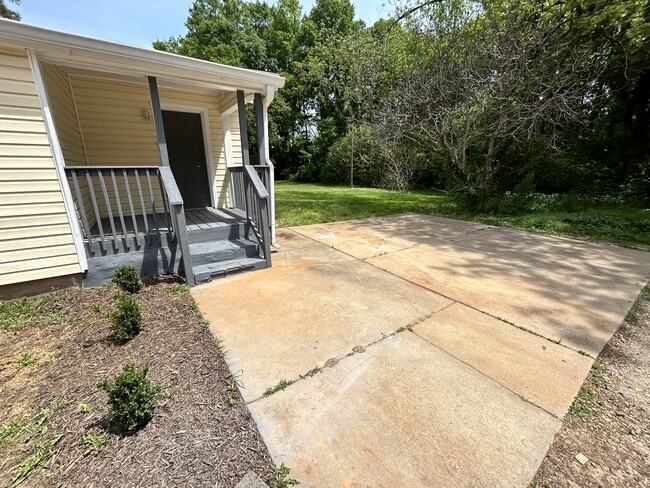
column 136, row 22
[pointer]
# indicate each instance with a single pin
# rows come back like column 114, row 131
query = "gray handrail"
column 255, row 180
column 177, row 211
column 172, row 206
column 250, row 194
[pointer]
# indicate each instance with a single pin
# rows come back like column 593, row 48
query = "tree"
column 492, row 74
column 7, row 13
column 257, row 36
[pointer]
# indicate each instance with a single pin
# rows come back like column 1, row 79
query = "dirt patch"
column 201, row 434
column 605, row 439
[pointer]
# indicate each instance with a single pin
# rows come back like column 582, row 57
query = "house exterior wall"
column 35, row 233
column 64, row 113
column 114, row 132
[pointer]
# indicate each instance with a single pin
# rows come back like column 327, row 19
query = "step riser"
column 236, row 231
column 251, row 251
column 205, row 277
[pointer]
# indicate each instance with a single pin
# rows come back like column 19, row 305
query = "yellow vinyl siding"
column 63, row 111
column 110, row 115
column 115, row 134
column 35, row 235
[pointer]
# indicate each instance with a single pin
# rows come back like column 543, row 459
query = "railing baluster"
column 153, row 206
column 134, row 220
column 109, row 208
column 98, row 217
column 118, row 202
column 144, row 209
column 82, row 212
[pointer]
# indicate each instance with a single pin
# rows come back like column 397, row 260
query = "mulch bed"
column 610, row 423
column 201, row 434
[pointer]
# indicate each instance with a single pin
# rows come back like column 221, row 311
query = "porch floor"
column 196, row 219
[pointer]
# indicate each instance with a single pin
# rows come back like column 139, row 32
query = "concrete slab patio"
column 424, row 351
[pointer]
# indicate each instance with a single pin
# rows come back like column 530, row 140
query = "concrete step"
column 207, row 272
column 223, row 232
column 223, row 250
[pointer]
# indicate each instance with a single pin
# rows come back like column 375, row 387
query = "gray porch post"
column 158, row 120
column 176, row 207
column 243, row 127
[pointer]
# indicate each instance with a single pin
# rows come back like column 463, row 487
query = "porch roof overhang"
column 82, row 52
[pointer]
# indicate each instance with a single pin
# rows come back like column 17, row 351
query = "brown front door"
column 184, row 136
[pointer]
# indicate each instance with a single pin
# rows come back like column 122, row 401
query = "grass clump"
column 23, row 312
column 126, row 319
column 132, row 398
column 93, row 443
column 127, row 278
column 44, row 450
column 12, row 428
column 581, row 405
column 45, row 413
column 25, row 360
column 179, row 289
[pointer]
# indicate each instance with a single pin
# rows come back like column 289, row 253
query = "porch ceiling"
column 172, row 83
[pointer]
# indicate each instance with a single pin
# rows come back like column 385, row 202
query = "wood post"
column 243, row 126
column 158, row 120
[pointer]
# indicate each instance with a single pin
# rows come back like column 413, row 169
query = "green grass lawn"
column 302, row 204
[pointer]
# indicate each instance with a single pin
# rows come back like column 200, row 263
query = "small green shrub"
column 127, row 278
column 132, row 398
column 126, row 319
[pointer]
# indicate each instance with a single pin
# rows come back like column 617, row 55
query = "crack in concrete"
column 358, row 349
column 512, row 324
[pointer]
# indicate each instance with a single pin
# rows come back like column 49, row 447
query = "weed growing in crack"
column 281, row 385
column 312, row 372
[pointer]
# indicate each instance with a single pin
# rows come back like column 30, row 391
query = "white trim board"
column 59, row 162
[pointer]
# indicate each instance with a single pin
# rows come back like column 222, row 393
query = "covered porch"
column 155, row 162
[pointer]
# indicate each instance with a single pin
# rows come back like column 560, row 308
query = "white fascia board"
column 58, row 44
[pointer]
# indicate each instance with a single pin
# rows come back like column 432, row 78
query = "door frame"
column 204, row 112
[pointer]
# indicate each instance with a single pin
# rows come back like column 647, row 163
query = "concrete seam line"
column 521, row 397
column 511, row 324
